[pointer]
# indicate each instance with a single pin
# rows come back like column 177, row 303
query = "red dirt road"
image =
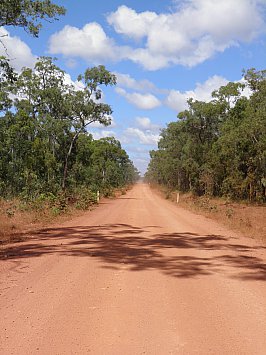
column 138, row 275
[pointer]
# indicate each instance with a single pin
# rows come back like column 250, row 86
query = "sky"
column 162, row 52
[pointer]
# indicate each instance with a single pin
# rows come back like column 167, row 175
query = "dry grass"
column 16, row 220
column 249, row 219
column 10, row 220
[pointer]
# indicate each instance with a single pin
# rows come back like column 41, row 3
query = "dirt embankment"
column 244, row 217
column 18, row 218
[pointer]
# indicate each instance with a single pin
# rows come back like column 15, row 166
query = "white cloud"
column 142, row 101
column 126, row 81
column 247, row 92
column 142, row 163
column 128, row 22
column 193, row 33
column 143, row 137
column 203, row 91
column 145, row 123
column 16, row 50
column 149, row 60
column 139, row 150
column 78, row 85
column 103, row 134
column 90, row 43
column 177, row 100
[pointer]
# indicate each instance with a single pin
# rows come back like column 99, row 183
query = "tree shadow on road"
column 182, row 255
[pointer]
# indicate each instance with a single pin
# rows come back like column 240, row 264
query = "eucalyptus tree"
column 7, row 78
column 85, row 105
column 218, row 147
column 45, row 145
column 29, row 14
column 111, row 165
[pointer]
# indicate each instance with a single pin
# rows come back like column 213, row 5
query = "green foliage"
column 217, row 148
column 7, row 78
column 28, row 14
column 102, row 164
column 84, row 197
column 46, row 153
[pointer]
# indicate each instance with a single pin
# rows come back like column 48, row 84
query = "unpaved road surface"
column 138, row 275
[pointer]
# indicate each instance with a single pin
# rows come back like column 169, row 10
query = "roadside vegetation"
column 48, row 159
column 240, row 216
column 217, row 148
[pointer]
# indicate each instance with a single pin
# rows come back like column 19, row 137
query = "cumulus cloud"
column 142, row 101
column 148, row 137
column 192, row 33
column 126, row 81
column 18, row 51
column 103, row 134
column 177, row 100
column 78, row 85
column 90, row 43
column 143, row 133
column 145, row 123
column 128, row 22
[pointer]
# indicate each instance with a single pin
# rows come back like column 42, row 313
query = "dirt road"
column 138, row 275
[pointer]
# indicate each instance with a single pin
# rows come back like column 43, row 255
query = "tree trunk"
column 66, row 161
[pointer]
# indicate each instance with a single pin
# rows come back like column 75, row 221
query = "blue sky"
column 163, row 52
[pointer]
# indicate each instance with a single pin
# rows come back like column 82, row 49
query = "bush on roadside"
column 83, row 198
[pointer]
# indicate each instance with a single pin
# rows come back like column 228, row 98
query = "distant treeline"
column 44, row 144
column 218, row 147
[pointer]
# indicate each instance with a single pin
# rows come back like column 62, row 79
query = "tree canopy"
column 217, row 147
column 44, row 142
column 29, row 14
column 45, row 147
